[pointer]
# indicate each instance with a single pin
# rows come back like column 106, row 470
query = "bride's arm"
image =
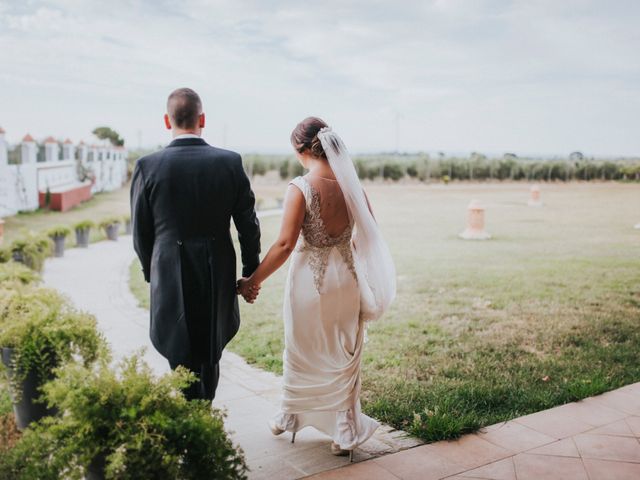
column 292, row 218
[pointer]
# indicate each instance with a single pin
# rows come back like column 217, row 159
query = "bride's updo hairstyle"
column 304, row 137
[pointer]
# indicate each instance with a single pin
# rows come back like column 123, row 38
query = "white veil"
column 375, row 270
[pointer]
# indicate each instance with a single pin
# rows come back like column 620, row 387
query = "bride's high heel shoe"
column 337, row 451
column 275, row 430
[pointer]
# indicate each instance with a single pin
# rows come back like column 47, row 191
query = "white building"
column 22, row 185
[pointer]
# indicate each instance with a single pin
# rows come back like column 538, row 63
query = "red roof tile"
column 50, row 140
column 28, row 138
column 2, row 130
column 68, row 142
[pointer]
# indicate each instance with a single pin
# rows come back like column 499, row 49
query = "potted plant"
column 127, row 224
column 125, row 424
column 39, row 331
column 111, row 227
column 58, row 236
column 32, row 251
column 83, row 230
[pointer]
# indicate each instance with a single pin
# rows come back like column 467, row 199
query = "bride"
column 341, row 276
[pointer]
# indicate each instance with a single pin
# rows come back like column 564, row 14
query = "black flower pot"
column 26, row 410
column 18, row 256
column 112, row 231
column 95, row 470
column 82, row 237
column 58, row 245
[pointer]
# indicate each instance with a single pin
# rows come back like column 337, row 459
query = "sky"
column 531, row 77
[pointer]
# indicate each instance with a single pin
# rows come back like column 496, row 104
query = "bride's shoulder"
column 298, row 181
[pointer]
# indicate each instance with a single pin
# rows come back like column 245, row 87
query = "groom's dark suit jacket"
column 182, row 201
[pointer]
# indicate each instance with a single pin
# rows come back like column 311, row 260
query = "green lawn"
column 546, row 312
column 101, row 206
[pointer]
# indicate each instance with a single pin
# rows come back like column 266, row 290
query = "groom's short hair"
column 184, row 107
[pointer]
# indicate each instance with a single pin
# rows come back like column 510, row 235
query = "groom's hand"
column 247, row 289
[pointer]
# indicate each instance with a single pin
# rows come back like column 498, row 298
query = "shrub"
column 45, row 332
column 392, row 171
column 5, row 255
column 84, row 225
column 284, row 170
column 59, row 231
column 142, row 426
column 412, row 170
column 13, row 273
column 32, row 251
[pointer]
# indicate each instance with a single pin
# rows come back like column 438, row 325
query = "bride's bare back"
column 333, row 209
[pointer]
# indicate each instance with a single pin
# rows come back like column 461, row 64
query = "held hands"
column 247, row 289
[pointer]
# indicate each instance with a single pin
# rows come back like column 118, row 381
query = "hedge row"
column 476, row 168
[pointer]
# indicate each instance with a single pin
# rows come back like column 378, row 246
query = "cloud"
column 491, row 75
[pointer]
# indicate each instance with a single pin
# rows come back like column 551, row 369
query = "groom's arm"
column 246, row 222
column 141, row 221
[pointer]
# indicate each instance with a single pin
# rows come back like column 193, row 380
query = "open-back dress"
column 324, row 335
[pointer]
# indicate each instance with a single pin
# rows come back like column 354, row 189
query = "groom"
column 182, row 200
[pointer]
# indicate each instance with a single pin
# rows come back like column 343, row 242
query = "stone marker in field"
column 475, row 222
column 534, row 199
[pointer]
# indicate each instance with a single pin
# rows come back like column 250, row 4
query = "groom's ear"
column 201, row 120
column 167, row 121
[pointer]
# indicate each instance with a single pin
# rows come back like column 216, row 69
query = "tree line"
column 475, row 167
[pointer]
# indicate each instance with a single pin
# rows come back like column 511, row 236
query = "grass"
column 138, row 286
column 544, row 313
column 100, row 206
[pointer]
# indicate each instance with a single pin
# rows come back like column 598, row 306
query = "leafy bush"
column 32, row 251
column 45, row 332
column 13, row 273
column 412, row 170
column 60, row 231
column 5, row 255
column 142, row 426
column 393, row 171
column 84, row 225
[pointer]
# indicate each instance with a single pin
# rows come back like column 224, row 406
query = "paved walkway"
column 594, row 439
column 97, row 280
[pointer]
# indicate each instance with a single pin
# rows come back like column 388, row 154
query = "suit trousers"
column 204, row 387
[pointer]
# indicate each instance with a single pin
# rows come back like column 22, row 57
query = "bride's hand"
column 247, row 289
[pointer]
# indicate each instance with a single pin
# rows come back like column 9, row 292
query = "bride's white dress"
column 324, row 334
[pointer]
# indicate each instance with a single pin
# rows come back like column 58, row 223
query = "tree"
column 107, row 133
column 576, row 156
